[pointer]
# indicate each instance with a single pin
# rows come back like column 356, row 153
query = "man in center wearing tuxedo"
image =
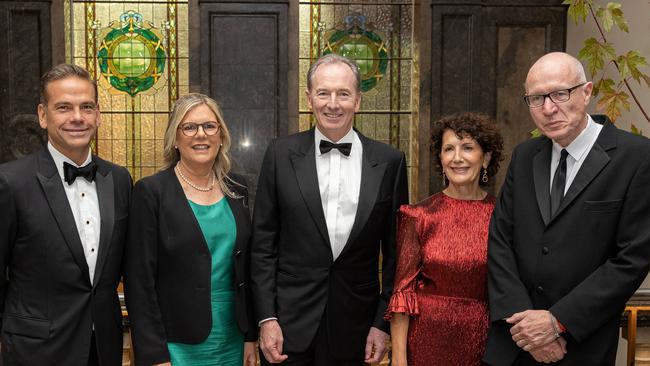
column 325, row 208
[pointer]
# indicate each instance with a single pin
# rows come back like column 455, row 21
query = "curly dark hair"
column 477, row 126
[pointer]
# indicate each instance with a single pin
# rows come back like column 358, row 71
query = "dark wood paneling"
column 244, row 67
column 26, row 44
column 480, row 55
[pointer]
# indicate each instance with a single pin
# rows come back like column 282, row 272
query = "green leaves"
column 603, row 85
column 596, row 53
column 612, row 101
column 613, row 86
column 610, row 15
column 578, row 9
column 629, row 64
column 635, row 130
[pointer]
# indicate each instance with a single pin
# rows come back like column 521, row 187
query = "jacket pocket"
column 26, row 326
column 602, row 206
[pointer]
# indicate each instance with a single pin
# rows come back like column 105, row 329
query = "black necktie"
column 71, row 172
column 559, row 180
column 326, row 146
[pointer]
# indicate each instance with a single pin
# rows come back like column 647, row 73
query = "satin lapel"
column 304, row 165
column 106, row 197
column 58, row 201
column 372, row 174
column 542, row 178
column 596, row 160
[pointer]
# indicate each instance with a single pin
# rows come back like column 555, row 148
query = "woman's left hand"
column 250, row 353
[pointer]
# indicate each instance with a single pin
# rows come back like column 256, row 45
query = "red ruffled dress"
column 441, row 279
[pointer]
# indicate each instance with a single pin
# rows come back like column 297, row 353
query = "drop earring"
column 444, row 179
column 485, row 178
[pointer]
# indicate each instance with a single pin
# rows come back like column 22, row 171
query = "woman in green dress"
column 186, row 264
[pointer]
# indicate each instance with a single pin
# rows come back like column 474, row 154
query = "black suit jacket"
column 583, row 263
column 168, row 268
column 294, row 277
column 47, row 301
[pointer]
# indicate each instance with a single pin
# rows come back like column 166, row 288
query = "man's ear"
column 308, row 98
column 42, row 120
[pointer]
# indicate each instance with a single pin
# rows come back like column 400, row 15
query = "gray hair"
column 333, row 58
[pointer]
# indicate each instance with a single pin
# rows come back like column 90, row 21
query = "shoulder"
column 156, row 182
column 20, row 170
column 294, row 139
column 380, row 149
column 118, row 171
column 237, row 183
column 630, row 141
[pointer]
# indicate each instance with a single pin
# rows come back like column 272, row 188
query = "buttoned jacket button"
column 545, row 250
column 539, row 290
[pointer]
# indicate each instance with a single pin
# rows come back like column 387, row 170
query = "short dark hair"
column 64, row 71
column 477, row 126
column 333, row 58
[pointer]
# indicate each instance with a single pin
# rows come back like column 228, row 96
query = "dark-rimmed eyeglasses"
column 190, row 129
column 558, row 96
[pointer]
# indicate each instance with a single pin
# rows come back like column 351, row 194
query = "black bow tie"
column 71, row 172
column 326, row 146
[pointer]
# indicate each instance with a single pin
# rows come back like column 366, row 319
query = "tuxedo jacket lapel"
column 372, row 174
column 542, row 178
column 303, row 161
column 105, row 195
column 595, row 161
column 55, row 194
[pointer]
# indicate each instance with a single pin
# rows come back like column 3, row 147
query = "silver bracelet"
column 556, row 333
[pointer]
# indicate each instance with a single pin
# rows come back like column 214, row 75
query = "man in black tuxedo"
column 62, row 236
column 569, row 237
column 325, row 207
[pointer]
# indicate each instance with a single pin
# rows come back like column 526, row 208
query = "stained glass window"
column 138, row 53
column 378, row 35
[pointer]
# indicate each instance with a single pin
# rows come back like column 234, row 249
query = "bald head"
column 558, row 80
column 558, row 64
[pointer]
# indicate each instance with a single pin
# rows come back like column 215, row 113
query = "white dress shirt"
column 578, row 150
column 82, row 197
column 339, row 180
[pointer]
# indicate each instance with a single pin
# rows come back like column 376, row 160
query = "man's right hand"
column 551, row 352
column 271, row 341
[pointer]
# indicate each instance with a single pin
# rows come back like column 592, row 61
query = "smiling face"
column 200, row 149
column 462, row 159
column 70, row 116
column 561, row 122
column 333, row 99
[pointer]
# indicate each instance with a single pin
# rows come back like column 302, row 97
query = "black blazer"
column 168, row 267
column 47, row 302
column 583, row 263
column 294, row 277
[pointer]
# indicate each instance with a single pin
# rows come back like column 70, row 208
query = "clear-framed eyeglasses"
column 190, row 129
column 557, row 96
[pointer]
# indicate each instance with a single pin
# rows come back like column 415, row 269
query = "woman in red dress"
column 438, row 310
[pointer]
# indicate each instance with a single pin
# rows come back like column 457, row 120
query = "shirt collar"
column 59, row 159
column 580, row 145
column 318, row 136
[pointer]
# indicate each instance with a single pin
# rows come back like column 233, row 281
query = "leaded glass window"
column 138, row 53
column 378, row 35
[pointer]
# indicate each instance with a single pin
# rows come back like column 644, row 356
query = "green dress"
column 225, row 344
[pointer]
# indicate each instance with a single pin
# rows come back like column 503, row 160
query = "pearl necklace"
column 184, row 178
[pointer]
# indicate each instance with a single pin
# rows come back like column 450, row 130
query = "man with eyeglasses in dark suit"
column 569, row 237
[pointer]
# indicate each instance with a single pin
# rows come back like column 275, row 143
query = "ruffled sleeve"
column 409, row 264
